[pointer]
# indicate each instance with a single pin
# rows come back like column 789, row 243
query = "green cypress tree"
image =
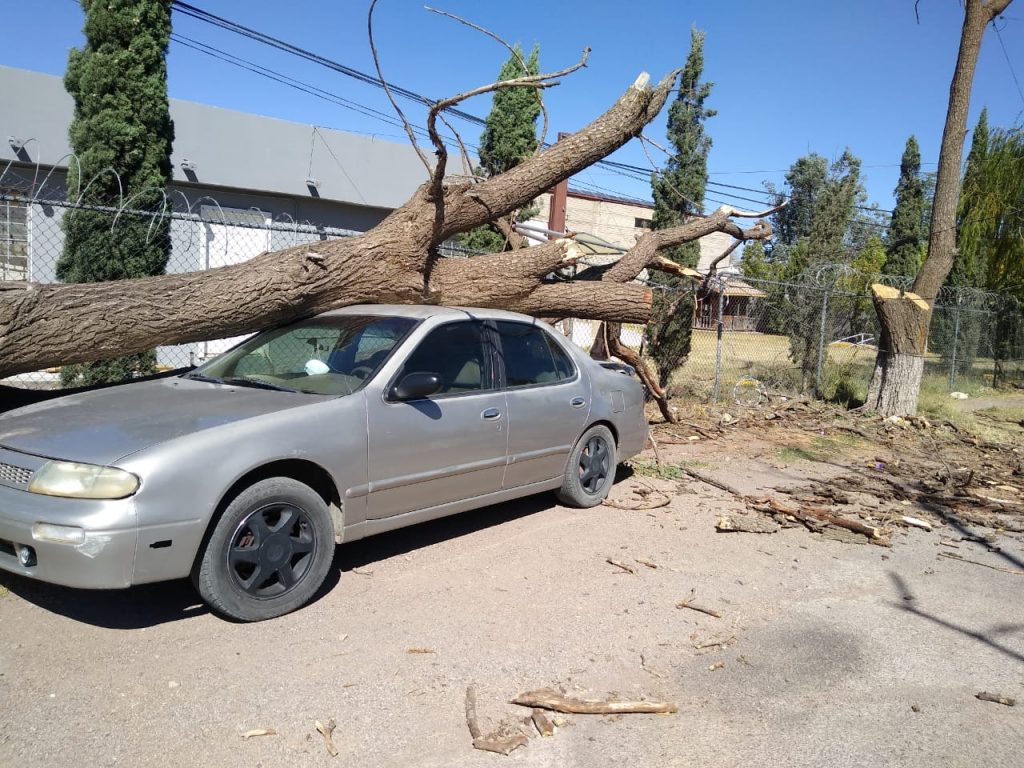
column 509, row 137
column 118, row 81
column 679, row 190
column 678, row 193
column 954, row 322
column 906, row 235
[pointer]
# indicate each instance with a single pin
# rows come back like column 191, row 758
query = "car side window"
column 529, row 357
column 458, row 353
column 564, row 366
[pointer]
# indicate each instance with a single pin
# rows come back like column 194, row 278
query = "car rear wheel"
column 269, row 552
column 591, row 469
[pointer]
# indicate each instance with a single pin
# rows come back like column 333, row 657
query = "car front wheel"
column 591, row 469
column 269, row 552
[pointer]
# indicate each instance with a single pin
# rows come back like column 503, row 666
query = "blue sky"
column 790, row 77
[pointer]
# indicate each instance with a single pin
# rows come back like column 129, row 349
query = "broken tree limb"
column 996, row 698
column 708, row 480
column 502, row 744
column 542, row 723
column 548, row 698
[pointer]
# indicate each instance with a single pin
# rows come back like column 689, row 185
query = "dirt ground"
column 829, row 650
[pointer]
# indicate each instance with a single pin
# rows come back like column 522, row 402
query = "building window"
column 642, row 223
column 13, row 238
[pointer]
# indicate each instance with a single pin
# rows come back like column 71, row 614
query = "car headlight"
column 83, row 481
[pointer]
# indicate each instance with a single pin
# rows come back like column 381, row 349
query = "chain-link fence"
column 197, row 235
column 817, row 333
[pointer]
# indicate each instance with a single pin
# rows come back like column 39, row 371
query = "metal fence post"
column 718, row 343
column 821, row 345
column 956, row 338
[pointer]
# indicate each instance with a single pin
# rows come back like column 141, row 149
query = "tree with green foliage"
column 818, row 226
column 989, row 242
column 905, row 240
column 118, row 81
column 678, row 195
column 956, row 330
column 509, row 137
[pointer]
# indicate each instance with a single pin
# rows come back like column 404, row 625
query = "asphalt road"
column 842, row 655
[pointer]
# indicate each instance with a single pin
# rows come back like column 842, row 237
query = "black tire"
column 590, row 472
column 269, row 552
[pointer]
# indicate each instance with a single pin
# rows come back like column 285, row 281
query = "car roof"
column 424, row 311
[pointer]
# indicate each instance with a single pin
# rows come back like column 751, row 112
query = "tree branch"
column 387, row 89
column 544, row 80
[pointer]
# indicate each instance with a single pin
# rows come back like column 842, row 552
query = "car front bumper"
column 104, row 560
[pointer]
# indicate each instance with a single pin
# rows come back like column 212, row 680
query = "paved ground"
column 835, row 645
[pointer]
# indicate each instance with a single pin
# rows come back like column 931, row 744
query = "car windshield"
column 332, row 355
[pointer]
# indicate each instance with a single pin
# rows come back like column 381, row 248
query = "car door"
column 449, row 446
column 548, row 401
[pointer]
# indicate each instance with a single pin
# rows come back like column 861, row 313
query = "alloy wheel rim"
column 271, row 550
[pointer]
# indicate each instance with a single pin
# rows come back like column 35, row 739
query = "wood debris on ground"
column 626, row 568
column 996, row 698
column 690, row 602
column 946, row 476
column 327, row 731
column 548, row 698
column 259, row 732
column 503, row 741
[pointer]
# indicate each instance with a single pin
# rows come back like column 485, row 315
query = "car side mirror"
column 413, row 386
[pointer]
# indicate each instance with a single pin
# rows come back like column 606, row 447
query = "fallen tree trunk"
column 395, row 262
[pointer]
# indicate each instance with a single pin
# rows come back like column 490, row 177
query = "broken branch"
column 547, row 698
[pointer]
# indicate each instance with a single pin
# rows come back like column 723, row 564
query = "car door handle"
column 578, row 402
column 490, row 414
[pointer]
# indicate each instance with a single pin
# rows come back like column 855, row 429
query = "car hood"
column 104, row 425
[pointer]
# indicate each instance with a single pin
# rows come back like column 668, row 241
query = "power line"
column 231, row 26
column 1013, row 74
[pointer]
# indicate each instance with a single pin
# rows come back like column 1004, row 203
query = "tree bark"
column 897, row 378
column 395, row 262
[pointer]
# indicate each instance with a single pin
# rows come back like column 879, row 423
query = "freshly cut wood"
column 916, row 522
column 259, row 732
column 548, row 698
column 746, row 524
column 542, row 722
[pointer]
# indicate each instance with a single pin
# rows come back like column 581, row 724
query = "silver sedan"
column 245, row 472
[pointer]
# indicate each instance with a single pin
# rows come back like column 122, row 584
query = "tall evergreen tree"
column 679, row 190
column 678, row 194
column 118, row 81
column 906, row 236
column 509, row 137
column 818, row 226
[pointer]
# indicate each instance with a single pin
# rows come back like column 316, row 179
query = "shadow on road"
column 148, row 605
column 381, row 547
column 908, row 604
